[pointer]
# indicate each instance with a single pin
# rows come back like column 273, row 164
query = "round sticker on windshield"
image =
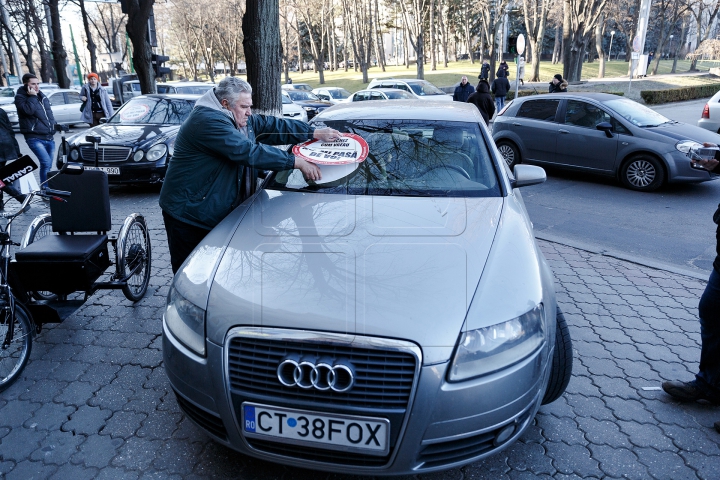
column 349, row 149
column 135, row 111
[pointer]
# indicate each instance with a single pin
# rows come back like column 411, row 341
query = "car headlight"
column 684, row 146
column 186, row 321
column 156, row 152
column 138, row 156
column 492, row 348
column 171, row 147
column 74, row 154
column 309, row 109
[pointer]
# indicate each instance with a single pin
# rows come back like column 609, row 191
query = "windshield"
column 285, row 99
column 422, row 88
column 149, row 110
column 407, row 158
column 400, row 94
column 195, row 90
column 7, row 92
column 635, row 113
column 299, row 95
column 339, row 93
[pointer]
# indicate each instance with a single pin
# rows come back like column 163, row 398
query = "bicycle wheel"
column 39, row 228
column 15, row 343
column 133, row 257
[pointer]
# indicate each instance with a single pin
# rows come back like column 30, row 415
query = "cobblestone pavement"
column 94, row 401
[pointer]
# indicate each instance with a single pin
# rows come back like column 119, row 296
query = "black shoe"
column 687, row 392
column 21, row 198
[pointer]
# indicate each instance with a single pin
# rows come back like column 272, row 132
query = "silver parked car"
column 710, row 117
column 395, row 318
column 65, row 105
column 600, row 133
column 382, row 94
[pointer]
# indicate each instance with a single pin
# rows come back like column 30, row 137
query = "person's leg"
column 497, row 104
column 43, row 150
column 182, row 239
column 708, row 376
column 502, row 103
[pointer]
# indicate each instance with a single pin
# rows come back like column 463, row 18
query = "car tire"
column 509, row 152
column 562, row 360
column 642, row 173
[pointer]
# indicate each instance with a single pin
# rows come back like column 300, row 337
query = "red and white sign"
column 349, row 149
column 135, row 111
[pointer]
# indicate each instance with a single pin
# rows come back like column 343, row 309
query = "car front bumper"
column 681, row 171
column 444, row 425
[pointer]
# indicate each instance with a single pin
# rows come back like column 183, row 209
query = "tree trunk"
column 558, row 45
column 58, row 50
column 88, row 35
column 301, row 64
column 598, row 46
column 433, row 59
column 261, row 32
column 137, row 28
column 567, row 39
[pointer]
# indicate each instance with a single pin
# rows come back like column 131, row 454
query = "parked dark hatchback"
column 309, row 101
column 600, row 133
column 137, row 142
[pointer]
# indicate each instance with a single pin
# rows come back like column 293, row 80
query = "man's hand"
column 32, row 91
column 309, row 170
column 708, row 165
column 326, row 134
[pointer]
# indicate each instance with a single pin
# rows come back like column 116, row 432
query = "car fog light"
column 489, row 349
column 186, row 321
column 138, row 156
column 504, row 435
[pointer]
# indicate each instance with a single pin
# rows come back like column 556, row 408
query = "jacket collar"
column 209, row 100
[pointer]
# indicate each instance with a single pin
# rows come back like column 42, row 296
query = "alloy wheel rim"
column 641, row 173
column 507, row 154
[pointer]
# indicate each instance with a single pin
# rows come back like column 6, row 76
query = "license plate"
column 368, row 435
column 108, row 170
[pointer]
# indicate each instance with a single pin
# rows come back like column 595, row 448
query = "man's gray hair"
column 230, row 89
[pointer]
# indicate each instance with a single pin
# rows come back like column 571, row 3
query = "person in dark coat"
column 37, row 123
column 484, row 72
column 9, row 151
column 706, row 385
column 463, row 90
column 504, row 67
column 483, row 101
column 558, row 84
column 500, row 87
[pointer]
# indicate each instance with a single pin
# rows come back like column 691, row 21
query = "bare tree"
column 535, row 13
column 261, row 41
column 137, row 29
column 415, row 13
column 705, row 13
column 360, row 16
column 670, row 13
column 58, row 49
column 580, row 18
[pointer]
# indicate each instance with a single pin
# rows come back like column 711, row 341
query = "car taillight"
column 706, row 111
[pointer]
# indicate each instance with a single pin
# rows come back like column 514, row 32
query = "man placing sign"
column 217, row 151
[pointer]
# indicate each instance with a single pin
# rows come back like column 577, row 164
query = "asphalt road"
column 671, row 226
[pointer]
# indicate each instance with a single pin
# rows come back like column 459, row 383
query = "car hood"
column 129, row 135
column 683, row 131
column 396, row 267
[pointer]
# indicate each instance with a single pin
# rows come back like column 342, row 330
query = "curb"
column 697, row 274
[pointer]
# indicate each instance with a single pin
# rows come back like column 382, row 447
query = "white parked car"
column 382, row 94
column 333, row 95
column 422, row 88
column 710, row 119
column 65, row 104
column 297, row 86
column 292, row 109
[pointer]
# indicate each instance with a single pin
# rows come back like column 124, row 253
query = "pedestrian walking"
column 504, row 67
column 521, row 70
column 483, row 101
column 558, row 84
column 484, row 71
column 37, row 123
column 706, row 385
column 213, row 168
column 650, row 59
column 96, row 101
column 463, row 90
column 9, row 151
column 500, row 87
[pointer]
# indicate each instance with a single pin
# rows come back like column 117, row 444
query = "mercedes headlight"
column 138, row 156
column 186, row 321
column 74, row 153
column 156, row 152
column 492, row 348
column 684, row 146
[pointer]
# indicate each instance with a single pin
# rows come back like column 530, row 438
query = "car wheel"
column 562, row 360
column 643, row 173
column 510, row 153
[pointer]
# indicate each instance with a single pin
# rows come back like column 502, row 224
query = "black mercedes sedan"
column 309, row 101
column 137, row 142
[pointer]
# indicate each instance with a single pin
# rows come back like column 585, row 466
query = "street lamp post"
column 612, row 35
column 670, row 46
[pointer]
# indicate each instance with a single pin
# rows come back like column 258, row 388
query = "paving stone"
column 529, row 457
column 112, row 397
column 27, row 470
column 630, row 410
column 573, row 459
column 15, row 413
column 43, row 391
column 495, row 467
column 582, row 385
column 101, row 373
column 618, row 462
column 97, row 451
column 49, row 417
column 137, row 453
column 87, row 420
column 75, row 472
column 41, row 369
column 693, row 439
column 646, row 435
column 57, row 447
column 112, row 473
column 705, row 466
column 77, row 393
column 159, row 425
column 177, row 456
column 590, row 407
column 20, row 443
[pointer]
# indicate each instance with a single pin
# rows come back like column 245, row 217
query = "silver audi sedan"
column 396, row 317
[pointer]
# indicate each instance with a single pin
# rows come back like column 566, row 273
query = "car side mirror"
column 528, row 175
column 103, row 119
column 605, row 127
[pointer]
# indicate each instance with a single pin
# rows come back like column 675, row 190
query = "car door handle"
column 563, row 131
column 625, row 143
column 517, row 124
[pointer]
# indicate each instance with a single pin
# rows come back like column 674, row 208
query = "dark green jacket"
column 202, row 183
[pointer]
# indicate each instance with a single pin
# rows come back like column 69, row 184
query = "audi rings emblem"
column 321, row 376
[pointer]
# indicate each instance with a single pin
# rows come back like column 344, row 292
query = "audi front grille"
column 384, row 378
column 105, row 154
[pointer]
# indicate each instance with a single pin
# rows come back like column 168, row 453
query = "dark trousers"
column 182, row 239
column 709, row 376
